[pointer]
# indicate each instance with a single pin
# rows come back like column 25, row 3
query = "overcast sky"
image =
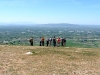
column 51, row 11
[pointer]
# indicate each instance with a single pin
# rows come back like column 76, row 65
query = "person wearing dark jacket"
column 54, row 41
column 31, row 41
column 47, row 41
column 62, row 41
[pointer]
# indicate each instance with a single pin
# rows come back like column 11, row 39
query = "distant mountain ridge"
column 34, row 24
column 59, row 24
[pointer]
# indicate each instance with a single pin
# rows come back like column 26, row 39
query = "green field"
column 76, row 36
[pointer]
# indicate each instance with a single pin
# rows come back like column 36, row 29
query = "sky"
column 85, row 12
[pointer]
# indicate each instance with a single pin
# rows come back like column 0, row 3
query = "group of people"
column 49, row 41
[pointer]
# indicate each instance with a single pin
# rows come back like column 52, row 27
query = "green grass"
column 89, row 44
column 71, row 44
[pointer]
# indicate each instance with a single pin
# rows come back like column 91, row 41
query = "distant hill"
column 58, row 25
column 34, row 24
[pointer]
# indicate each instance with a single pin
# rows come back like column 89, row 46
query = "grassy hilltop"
column 49, row 60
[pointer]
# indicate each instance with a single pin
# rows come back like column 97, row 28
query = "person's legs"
column 54, row 44
column 43, row 43
column 47, row 43
column 31, row 43
column 40, row 43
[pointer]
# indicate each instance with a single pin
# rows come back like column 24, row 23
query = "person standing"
column 50, row 41
column 54, row 41
column 42, row 41
column 31, row 41
column 58, row 42
column 47, row 41
column 62, row 41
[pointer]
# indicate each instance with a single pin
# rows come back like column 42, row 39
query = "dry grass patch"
column 49, row 61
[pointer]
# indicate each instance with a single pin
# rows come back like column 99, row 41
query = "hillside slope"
column 49, row 60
